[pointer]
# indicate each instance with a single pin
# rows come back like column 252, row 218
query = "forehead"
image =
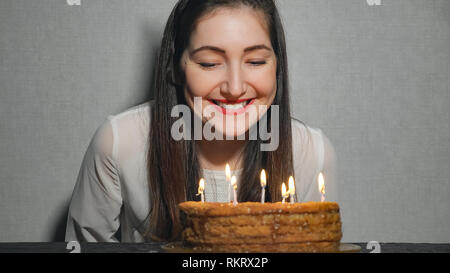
column 231, row 27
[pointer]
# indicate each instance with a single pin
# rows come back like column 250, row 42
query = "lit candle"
column 263, row 186
column 201, row 189
column 234, row 185
column 291, row 189
column 228, row 179
column 321, row 187
column 284, row 193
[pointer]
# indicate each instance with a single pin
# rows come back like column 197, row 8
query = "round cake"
column 256, row 227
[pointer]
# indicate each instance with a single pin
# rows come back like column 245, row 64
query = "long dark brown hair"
column 173, row 167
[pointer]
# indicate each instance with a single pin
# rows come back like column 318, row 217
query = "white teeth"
column 234, row 106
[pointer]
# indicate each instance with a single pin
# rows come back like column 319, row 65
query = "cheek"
column 199, row 84
column 265, row 83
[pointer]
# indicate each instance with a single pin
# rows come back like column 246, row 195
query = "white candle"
column 284, row 193
column 228, row 179
column 234, row 185
column 291, row 189
column 321, row 183
column 263, row 186
column 201, row 189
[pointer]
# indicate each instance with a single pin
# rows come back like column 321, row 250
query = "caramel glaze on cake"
column 256, row 227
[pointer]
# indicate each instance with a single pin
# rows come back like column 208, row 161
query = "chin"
column 237, row 131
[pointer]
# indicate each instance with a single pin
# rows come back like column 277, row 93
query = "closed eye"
column 207, row 65
column 256, row 63
column 212, row 65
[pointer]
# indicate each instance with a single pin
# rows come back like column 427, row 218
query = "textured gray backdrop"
column 374, row 78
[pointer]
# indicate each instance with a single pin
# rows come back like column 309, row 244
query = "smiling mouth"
column 232, row 107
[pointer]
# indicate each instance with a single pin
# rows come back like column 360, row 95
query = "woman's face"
column 231, row 66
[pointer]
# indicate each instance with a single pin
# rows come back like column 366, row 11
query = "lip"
column 231, row 102
column 230, row 111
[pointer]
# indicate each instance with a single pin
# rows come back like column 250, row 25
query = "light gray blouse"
column 111, row 190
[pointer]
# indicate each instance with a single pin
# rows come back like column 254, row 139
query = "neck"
column 214, row 155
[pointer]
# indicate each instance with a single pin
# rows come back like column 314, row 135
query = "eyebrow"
column 219, row 50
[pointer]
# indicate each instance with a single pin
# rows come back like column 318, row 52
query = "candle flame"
column 321, row 184
column 291, row 185
column 283, row 190
column 263, row 178
column 228, row 172
column 234, row 182
column 201, row 186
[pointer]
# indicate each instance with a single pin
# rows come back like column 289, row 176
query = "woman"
column 215, row 54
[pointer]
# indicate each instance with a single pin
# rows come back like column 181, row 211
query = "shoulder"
column 128, row 127
column 137, row 112
column 133, row 118
column 305, row 133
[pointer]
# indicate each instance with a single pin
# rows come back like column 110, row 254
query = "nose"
column 234, row 86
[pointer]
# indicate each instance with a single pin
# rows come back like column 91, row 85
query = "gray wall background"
column 374, row 78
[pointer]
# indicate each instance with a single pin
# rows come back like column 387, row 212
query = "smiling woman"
column 225, row 55
column 230, row 62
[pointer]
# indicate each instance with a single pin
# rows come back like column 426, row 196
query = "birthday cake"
column 257, row 227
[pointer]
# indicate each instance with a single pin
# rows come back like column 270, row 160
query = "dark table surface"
column 62, row 247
